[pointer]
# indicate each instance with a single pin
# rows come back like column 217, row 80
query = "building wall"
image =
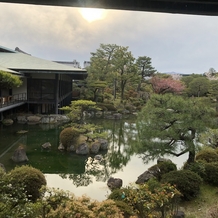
column 22, row 90
column 42, row 75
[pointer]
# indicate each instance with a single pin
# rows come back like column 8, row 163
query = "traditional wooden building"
column 46, row 85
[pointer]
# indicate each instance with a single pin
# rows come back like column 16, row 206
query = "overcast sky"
column 174, row 42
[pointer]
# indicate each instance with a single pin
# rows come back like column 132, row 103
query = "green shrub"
column 106, row 106
column 196, row 167
column 125, row 209
column 186, row 181
column 28, row 177
column 211, row 173
column 85, row 207
column 163, row 168
column 207, row 155
column 13, row 200
column 69, row 136
column 117, row 194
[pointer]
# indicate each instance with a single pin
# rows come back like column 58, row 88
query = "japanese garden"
column 124, row 109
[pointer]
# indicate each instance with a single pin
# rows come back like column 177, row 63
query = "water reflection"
column 79, row 174
column 121, row 135
column 80, row 169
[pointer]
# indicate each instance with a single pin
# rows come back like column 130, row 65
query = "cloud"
column 182, row 43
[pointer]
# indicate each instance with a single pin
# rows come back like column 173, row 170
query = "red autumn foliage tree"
column 166, row 85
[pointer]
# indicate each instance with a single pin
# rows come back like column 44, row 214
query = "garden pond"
column 75, row 173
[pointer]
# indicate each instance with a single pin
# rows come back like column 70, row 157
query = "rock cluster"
column 85, row 148
column 42, row 119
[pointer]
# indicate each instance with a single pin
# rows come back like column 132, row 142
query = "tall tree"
column 213, row 92
column 145, row 69
column 125, row 68
column 169, row 124
column 195, row 84
column 101, row 67
column 115, row 65
column 101, row 61
column 198, row 87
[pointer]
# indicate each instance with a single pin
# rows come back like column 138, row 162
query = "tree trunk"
column 139, row 86
column 115, row 89
column 123, row 83
column 191, row 157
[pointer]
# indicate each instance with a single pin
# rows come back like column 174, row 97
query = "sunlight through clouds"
column 92, row 14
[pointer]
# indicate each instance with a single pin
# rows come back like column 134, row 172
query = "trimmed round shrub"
column 196, row 167
column 162, row 168
column 211, row 173
column 28, row 177
column 69, row 136
column 186, row 181
column 207, row 155
column 106, row 107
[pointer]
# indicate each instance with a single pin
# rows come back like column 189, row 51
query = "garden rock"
column 161, row 160
column 72, row 148
column 99, row 114
column 82, row 149
column 103, row 144
column 46, row 145
column 144, row 177
column 7, row 121
column 95, row 147
column 117, row 116
column 21, row 119
column 48, row 119
column 61, row 147
column 33, row 119
column 114, row 183
column 19, row 155
column 98, row 157
column 179, row 214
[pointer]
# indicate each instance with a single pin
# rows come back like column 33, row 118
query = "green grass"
column 200, row 207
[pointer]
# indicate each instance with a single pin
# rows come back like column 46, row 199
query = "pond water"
column 79, row 174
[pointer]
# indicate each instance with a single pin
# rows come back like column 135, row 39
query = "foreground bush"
column 196, row 167
column 31, row 179
column 211, row 173
column 207, row 155
column 84, row 207
column 158, row 200
column 14, row 201
column 186, row 181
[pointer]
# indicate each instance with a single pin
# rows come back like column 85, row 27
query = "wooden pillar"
column 56, row 92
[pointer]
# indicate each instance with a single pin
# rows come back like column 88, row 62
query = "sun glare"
column 92, row 14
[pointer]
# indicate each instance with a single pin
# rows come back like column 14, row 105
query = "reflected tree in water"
column 121, row 135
